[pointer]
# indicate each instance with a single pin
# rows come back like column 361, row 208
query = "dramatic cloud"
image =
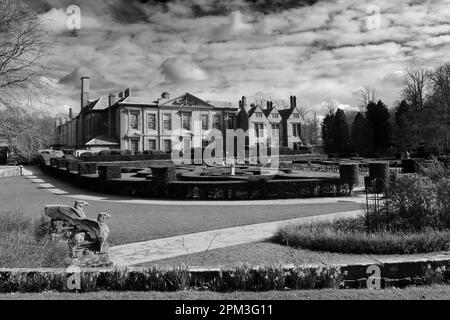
column 222, row 50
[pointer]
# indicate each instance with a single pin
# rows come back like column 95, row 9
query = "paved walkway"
column 146, row 251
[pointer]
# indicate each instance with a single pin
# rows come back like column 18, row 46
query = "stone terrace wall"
column 10, row 171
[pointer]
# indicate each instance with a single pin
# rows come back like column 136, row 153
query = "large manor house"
column 126, row 122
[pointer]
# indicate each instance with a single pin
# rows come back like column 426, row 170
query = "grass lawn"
column 267, row 253
column 441, row 292
column 133, row 222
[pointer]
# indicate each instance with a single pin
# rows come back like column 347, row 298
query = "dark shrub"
column 86, row 154
column 128, row 152
column 434, row 169
column 138, row 153
column 349, row 174
column 118, row 152
column 414, row 202
column 105, row 152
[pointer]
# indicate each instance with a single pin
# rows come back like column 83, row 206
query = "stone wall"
column 10, row 171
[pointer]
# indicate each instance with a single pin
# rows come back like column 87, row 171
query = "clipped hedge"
column 349, row 174
column 109, row 172
column 244, row 278
column 87, row 168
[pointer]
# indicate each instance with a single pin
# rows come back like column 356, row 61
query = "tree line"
column 418, row 121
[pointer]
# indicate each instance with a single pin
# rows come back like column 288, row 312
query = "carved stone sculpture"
column 87, row 238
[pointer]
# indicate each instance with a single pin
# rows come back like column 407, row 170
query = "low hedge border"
column 326, row 237
column 243, row 278
column 210, row 190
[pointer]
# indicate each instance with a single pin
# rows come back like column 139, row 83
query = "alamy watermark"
column 229, row 147
column 73, row 21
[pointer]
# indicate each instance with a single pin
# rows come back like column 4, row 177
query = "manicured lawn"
column 266, row 253
column 133, row 222
column 441, row 292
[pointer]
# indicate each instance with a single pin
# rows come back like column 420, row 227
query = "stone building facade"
column 126, row 122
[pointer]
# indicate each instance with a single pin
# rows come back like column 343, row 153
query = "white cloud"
column 180, row 70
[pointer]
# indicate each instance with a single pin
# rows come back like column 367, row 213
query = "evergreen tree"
column 378, row 120
column 341, row 132
column 361, row 135
column 328, row 133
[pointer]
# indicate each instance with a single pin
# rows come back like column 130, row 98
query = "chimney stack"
column 244, row 101
column 84, row 91
column 112, row 99
column 268, row 104
column 240, row 104
column 295, row 101
column 126, row 93
column 70, row 113
column 120, row 95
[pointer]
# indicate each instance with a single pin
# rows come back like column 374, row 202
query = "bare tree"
column 25, row 131
column 330, row 105
column 367, row 95
column 415, row 85
column 440, row 82
column 261, row 99
column 22, row 47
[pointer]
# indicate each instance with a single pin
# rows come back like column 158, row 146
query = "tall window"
column 259, row 129
column 152, row 144
column 275, row 129
column 205, row 119
column 167, row 145
column 296, row 129
column 134, row 122
column 217, row 121
column 134, row 145
column 186, row 121
column 167, row 121
column 275, row 115
column 151, row 121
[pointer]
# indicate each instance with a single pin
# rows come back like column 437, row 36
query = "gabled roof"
column 286, row 113
column 253, row 110
column 187, row 99
column 268, row 111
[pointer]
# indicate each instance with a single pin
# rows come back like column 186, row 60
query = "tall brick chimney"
column 84, row 91
column 70, row 114
column 111, row 99
column 244, row 101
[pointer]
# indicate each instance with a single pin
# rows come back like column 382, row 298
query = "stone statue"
column 87, row 238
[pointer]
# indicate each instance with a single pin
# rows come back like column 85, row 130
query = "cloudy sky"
column 221, row 50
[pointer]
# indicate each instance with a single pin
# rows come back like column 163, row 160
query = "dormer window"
column 275, row 115
column 296, row 116
column 258, row 114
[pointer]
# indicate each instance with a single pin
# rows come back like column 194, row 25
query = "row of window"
column 260, row 115
column 275, row 132
column 167, row 121
column 167, row 144
column 259, row 128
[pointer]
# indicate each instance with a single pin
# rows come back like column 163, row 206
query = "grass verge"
column 24, row 243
